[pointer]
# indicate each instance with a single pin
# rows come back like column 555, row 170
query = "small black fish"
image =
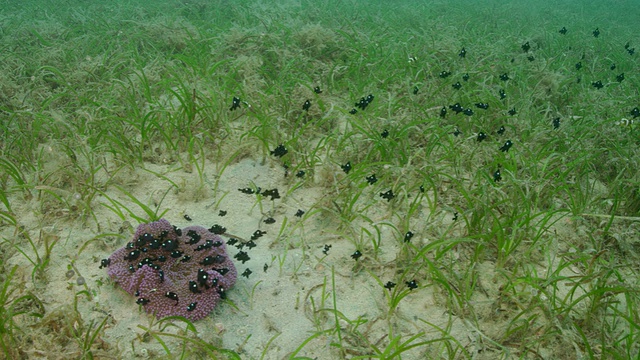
column 306, row 106
column 265, row 267
column 531, row 58
column 444, row 74
column 273, row 194
column 563, row 31
column 371, row 179
column 176, row 254
column 502, row 94
column 279, row 151
column 483, row 106
column 222, row 271
column 501, row 130
column 242, row 256
column 257, row 234
column 384, row 134
column 526, row 47
column 612, row 67
column 269, row 221
column 635, row 112
column 597, row 84
column 455, row 216
column 556, row 123
column 172, row 296
column 389, row 285
column 412, row 284
column 222, row 213
column 456, row 132
column 170, row 245
column 364, row 102
column 579, row 65
column 133, row 255
column 235, row 104
column 192, row 306
column 250, row 244
column 209, row 260
column 467, row 112
column 465, row 77
column 104, row 263
column 457, row 108
column 462, row 53
column 145, row 238
column 247, row 190
column 507, row 145
column 353, row 111
column 512, row 111
column 631, row 51
column 481, row 136
column 193, row 286
column 356, row 255
column 185, row 258
column 299, row 213
column 504, row 77
column 187, row 217
column 497, row 176
column 141, row 241
column 620, row 77
column 155, row 244
column 408, row 236
column 300, row 174
column 317, row 90
column 203, row 276
column 161, row 274
column 246, row 273
column 388, row 195
column 457, row 85
column 369, row 98
column 326, row 249
column 415, row 90
column 142, row 301
column 443, row 112
column 194, row 237
column 222, row 292
column 216, row 229
column 596, row 32
column 346, row 167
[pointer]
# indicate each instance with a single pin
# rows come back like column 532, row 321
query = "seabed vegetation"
column 420, row 179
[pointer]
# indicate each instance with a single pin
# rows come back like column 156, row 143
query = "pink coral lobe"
column 174, row 272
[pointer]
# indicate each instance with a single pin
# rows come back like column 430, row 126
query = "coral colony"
column 171, row 271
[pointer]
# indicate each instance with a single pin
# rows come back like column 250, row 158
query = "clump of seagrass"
column 173, row 271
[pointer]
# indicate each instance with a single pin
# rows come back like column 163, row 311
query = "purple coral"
column 173, row 271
